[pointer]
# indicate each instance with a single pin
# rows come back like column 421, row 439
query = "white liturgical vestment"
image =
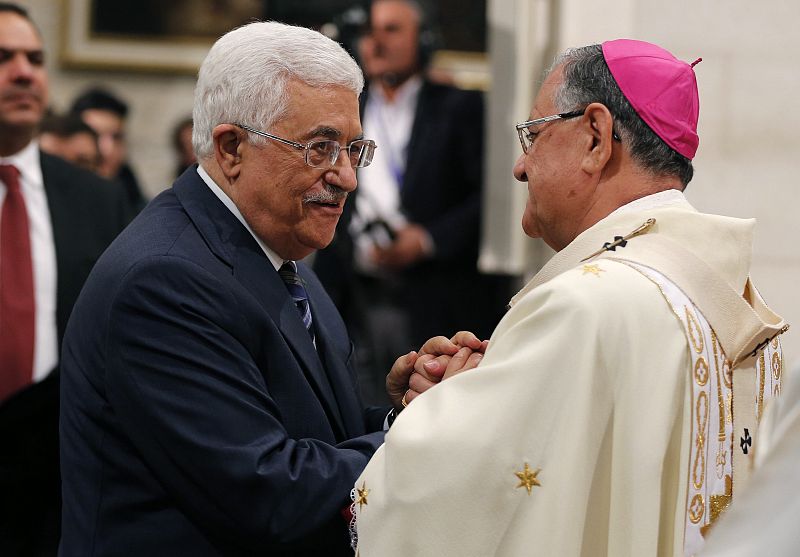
column 604, row 418
column 764, row 518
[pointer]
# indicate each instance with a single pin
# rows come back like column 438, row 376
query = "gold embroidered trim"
column 722, row 453
column 697, row 509
column 701, row 371
column 707, row 472
column 729, row 408
column 720, row 400
column 762, row 372
column 777, row 366
column 701, row 409
column 694, row 331
column 719, row 503
column 727, row 373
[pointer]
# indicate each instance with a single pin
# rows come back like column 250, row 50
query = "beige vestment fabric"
column 765, row 517
column 572, row 437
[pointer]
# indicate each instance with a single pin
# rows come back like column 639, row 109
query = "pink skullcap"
column 661, row 88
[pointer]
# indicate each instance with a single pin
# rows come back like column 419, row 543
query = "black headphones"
column 347, row 26
column 429, row 39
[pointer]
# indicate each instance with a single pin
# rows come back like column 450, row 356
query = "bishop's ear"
column 601, row 129
column 228, row 143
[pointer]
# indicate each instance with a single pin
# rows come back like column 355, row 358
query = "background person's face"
column 110, row 130
column 23, row 79
column 392, row 45
column 274, row 183
column 80, row 149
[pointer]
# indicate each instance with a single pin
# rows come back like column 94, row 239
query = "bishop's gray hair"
column 587, row 79
column 244, row 76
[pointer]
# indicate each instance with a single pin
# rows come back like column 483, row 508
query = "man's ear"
column 228, row 143
column 600, row 126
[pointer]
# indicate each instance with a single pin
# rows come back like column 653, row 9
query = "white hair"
column 244, row 76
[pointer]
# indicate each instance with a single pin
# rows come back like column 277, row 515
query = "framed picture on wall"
column 171, row 36
column 174, row 36
column 148, row 35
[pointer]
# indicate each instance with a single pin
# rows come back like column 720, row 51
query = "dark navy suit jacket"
column 197, row 417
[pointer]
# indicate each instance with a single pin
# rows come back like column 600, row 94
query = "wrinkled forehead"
column 330, row 111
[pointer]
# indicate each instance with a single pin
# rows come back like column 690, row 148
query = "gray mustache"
column 332, row 194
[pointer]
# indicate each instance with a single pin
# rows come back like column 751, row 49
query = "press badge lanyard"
column 394, row 156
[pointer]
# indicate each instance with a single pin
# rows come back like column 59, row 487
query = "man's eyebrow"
column 324, row 131
column 330, row 133
column 12, row 50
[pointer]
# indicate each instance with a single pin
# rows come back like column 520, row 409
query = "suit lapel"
column 341, row 380
column 61, row 204
column 231, row 241
column 255, row 272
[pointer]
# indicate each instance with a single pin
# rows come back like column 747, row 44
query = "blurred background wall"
column 746, row 164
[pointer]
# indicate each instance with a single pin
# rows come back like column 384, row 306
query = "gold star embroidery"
column 593, row 269
column 527, row 478
column 362, row 491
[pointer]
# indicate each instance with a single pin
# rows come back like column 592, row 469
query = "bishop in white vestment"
column 616, row 409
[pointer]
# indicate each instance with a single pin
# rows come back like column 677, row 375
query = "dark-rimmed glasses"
column 324, row 153
column 527, row 135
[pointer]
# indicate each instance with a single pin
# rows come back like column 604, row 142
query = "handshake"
column 438, row 359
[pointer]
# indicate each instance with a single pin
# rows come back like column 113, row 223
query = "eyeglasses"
column 527, row 135
column 325, row 153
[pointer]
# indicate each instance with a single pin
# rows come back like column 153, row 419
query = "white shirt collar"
column 27, row 162
column 406, row 93
column 273, row 257
column 660, row 199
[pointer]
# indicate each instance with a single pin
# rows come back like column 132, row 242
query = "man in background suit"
column 55, row 222
column 209, row 404
column 404, row 260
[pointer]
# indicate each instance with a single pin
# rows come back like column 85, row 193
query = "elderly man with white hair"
column 209, row 404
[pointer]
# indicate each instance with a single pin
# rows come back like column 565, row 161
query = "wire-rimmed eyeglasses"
column 324, row 153
column 527, row 135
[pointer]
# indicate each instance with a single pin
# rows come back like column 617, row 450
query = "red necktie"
column 17, row 306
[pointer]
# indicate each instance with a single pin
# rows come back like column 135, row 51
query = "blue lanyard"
column 395, row 162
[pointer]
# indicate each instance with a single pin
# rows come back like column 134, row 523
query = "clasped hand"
column 438, row 359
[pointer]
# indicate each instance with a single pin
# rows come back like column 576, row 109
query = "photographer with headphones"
column 403, row 266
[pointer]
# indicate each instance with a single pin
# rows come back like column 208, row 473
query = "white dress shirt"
column 43, row 255
column 389, row 124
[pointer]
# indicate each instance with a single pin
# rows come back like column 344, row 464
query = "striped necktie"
column 294, row 284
